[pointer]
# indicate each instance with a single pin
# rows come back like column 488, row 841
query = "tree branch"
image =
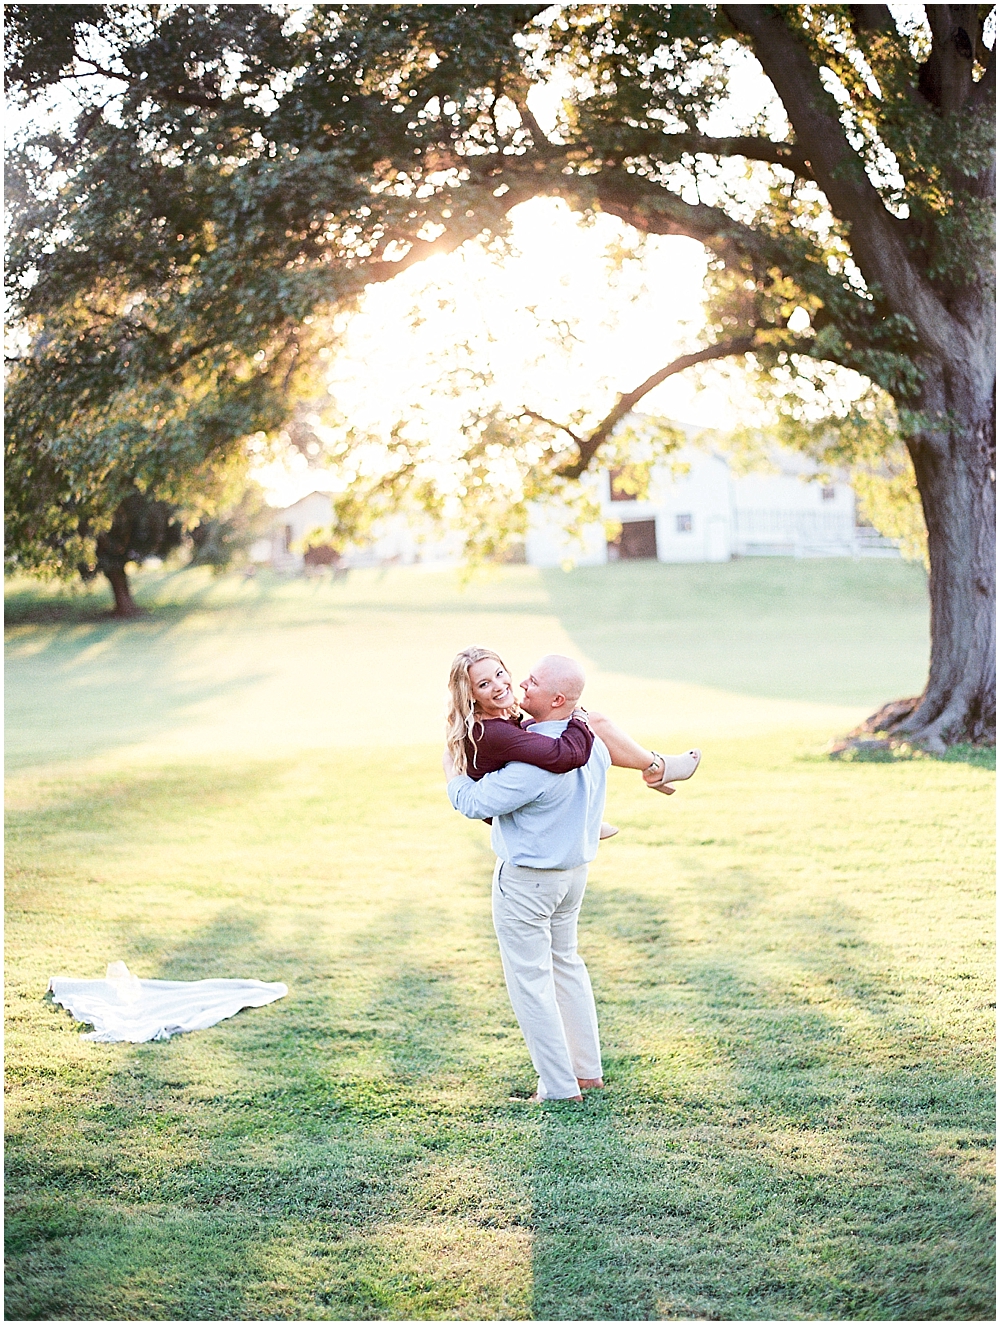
column 99, row 70
column 656, row 210
column 561, row 427
column 873, row 21
column 453, row 237
column 985, row 90
column 872, row 18
column 589, row 446
column 83, row 127
column 543, row 146
column 179, row 95
column 877, row 239
column 639, row 201
column 419, row 251
column 789, row 155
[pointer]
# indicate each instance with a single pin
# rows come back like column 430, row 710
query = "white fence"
column 784, row 533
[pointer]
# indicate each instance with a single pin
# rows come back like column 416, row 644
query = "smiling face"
column 491, row 689
column 538, row 695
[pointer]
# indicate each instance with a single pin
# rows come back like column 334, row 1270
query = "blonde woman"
column 485, row 732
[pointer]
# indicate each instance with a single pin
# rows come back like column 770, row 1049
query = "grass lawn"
column 792, row 959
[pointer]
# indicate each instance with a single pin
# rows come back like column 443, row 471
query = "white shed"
column 282, row 547
column 397, row 540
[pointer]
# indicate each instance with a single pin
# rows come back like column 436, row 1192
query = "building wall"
column 291, row 526
column 789, row 515
column 690, row 502
column 547, row 544
column 704, row 512
column 395, row 541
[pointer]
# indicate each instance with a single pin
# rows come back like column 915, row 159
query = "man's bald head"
column 562, row 674
column 553, row 687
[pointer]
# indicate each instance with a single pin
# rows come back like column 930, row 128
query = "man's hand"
column 448, row 764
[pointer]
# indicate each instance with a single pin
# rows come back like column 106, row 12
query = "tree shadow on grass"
column 883, row 752
column 169, row 597
column 317, row 1158
column 755, row 1158
column 30, row 607
column 824, row 631
column 134, row 804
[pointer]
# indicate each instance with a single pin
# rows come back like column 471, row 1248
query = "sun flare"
column 563, row 316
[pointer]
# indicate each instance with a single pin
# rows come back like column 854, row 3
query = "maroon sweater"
column 504, row 741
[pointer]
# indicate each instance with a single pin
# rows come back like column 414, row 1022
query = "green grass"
column 834, row 630
column 792, row 959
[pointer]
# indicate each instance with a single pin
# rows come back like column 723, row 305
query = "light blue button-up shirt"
column 545, row 821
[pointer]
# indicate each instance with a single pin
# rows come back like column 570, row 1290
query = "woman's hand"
column 448, row 764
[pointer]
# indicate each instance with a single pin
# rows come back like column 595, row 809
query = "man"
column 545, row 833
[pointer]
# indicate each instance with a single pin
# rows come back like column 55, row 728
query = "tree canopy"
column 236, row 172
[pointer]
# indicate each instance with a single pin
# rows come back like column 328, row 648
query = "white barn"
column 698, row 509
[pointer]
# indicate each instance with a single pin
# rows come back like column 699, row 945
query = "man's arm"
column 508, row 789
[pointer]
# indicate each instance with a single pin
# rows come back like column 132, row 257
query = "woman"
column 484, row 732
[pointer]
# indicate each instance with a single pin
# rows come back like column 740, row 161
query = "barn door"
column 636, row 542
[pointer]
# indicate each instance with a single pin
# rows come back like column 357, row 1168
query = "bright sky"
column 558, row 325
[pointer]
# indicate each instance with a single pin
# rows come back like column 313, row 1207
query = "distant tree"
column 140, row 529
column 235, row 170
column 77, row 514
column 224, row 538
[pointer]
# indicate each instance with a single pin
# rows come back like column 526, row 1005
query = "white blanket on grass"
column 123, row 1007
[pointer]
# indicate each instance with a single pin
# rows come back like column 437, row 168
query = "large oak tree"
column 236, row 170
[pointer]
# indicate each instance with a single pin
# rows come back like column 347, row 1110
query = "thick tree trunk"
column 955, row 469
column 125, row 604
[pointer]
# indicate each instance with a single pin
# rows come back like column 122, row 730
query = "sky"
column 559, row 323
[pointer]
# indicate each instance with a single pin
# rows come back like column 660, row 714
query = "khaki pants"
column 535, row 916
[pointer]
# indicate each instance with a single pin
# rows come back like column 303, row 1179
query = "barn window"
column 621, row 488
column 685, row 523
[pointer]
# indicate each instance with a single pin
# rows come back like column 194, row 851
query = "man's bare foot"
column 608, row 830
column 536, row 1099
column 590, row 1083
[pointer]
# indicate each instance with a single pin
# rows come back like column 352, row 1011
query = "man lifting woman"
column 537, row 770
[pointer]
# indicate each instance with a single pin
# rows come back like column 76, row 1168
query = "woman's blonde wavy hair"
column 461, row 721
